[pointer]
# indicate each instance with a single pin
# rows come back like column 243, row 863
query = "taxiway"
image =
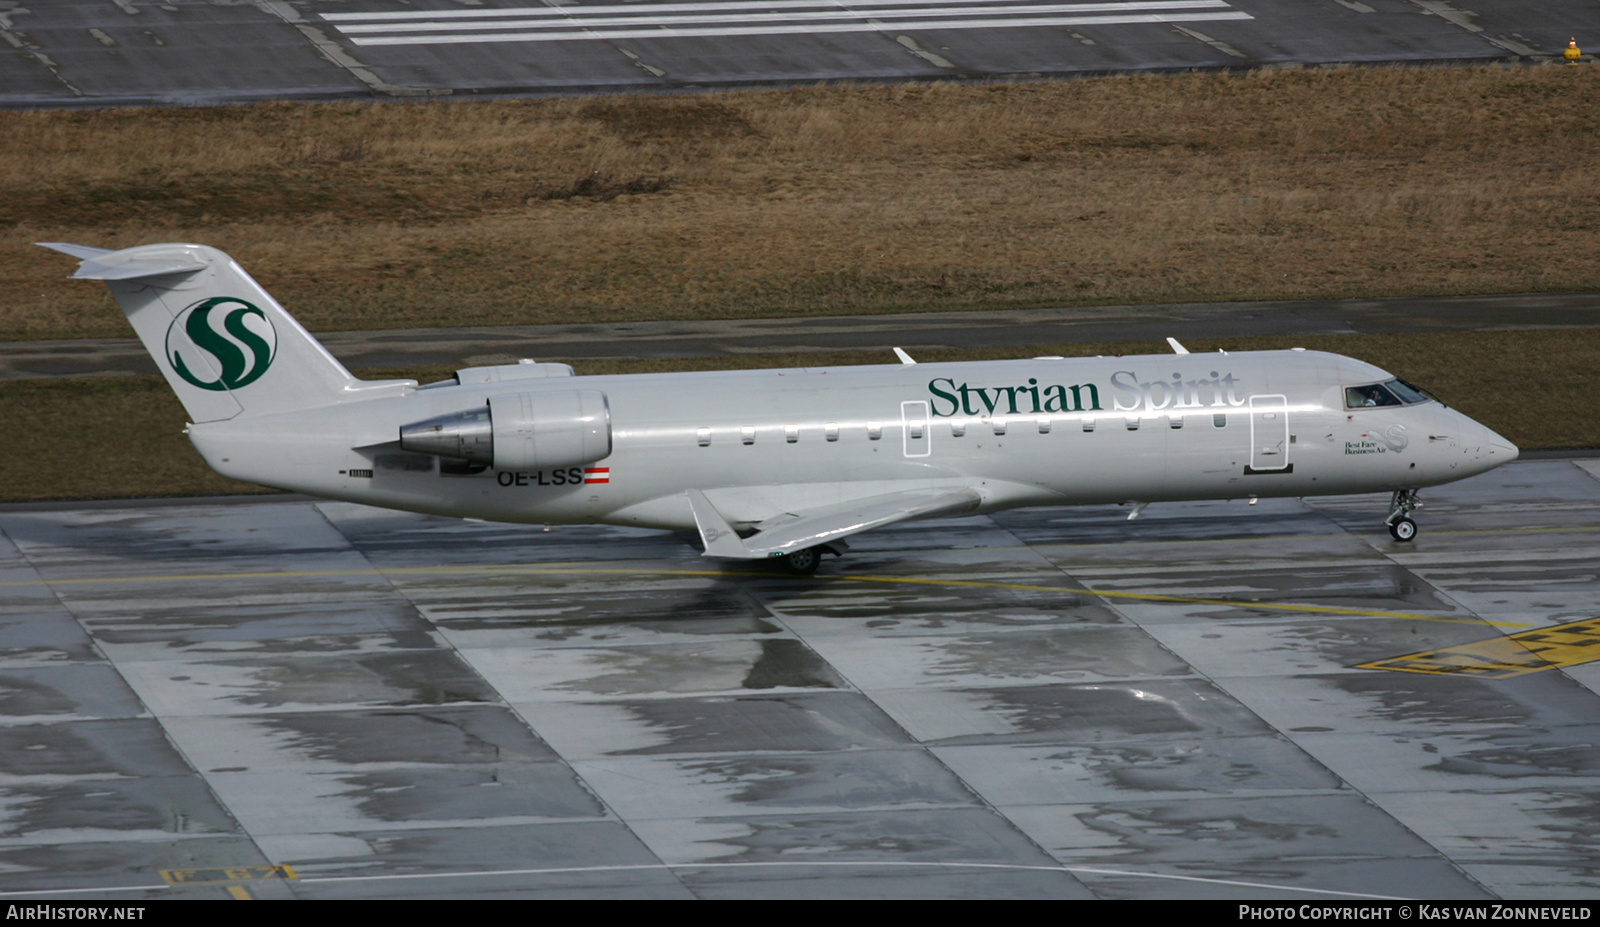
column 1023, row 330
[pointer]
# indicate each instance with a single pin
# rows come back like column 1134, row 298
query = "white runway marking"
column 722, row 17
column 798, row 17
column 736, row 6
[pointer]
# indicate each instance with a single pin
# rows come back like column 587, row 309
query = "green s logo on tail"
column 237, row 336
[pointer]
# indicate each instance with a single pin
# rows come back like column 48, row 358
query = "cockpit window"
column 1408, row 394
column 1365, row 397
column 1390, row 393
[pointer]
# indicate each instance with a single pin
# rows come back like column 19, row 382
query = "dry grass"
column 116, row 437
column 1306, row 184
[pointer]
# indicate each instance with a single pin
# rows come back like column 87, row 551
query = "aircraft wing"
column 799, row 530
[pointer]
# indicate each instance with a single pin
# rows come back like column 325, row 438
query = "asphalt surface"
column 67, row 53
column 1019, row 329
column 280, row 699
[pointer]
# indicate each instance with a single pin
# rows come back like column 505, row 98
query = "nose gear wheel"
column 1401, row 527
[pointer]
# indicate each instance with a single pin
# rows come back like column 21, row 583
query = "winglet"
column 904, row 357
column 718, row 536
column 1176, row 347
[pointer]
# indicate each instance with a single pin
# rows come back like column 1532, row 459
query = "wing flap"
column 800, row 530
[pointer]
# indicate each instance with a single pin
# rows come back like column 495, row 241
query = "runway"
column 220, row 699
column 70, row 53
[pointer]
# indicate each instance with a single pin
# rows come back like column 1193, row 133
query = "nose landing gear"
column 1401, row 527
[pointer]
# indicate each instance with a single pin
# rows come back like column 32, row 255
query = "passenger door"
column 1269, row 432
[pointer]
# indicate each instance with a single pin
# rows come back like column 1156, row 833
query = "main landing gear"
column 805, row 562
column 1401, row 527
column 802, row 562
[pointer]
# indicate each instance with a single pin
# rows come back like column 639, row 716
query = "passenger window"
column 1366, row 397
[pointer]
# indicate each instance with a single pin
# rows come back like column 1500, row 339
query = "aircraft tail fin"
column 224, row 344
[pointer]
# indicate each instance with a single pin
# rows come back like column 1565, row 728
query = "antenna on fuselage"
column 1176, row 347
column 904, row 357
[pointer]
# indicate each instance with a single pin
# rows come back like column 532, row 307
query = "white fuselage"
column 764, row 442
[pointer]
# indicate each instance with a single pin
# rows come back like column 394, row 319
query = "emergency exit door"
column 916, row 428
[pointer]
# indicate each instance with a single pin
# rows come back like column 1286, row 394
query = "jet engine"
column 546, row 430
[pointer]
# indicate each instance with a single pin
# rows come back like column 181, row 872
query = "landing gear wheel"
column 1401, row 527
column 803, row 562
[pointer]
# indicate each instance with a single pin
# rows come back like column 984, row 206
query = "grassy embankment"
column 1280, row 185
column 1271, row 185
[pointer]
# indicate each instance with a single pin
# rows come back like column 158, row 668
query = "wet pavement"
column 320, row 700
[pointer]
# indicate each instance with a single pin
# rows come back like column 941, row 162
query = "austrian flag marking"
column 597, row 474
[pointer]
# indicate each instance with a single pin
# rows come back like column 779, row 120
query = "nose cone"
column 1486, row 449
column 1501, row 450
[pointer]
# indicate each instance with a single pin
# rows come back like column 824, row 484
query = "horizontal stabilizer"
column 81, row 252
column 124, row 265
column 811, row 528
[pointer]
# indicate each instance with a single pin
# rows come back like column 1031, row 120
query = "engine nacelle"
column 545, row 430
column 550, row 429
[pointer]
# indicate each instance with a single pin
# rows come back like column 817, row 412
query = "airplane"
column 779, row 464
